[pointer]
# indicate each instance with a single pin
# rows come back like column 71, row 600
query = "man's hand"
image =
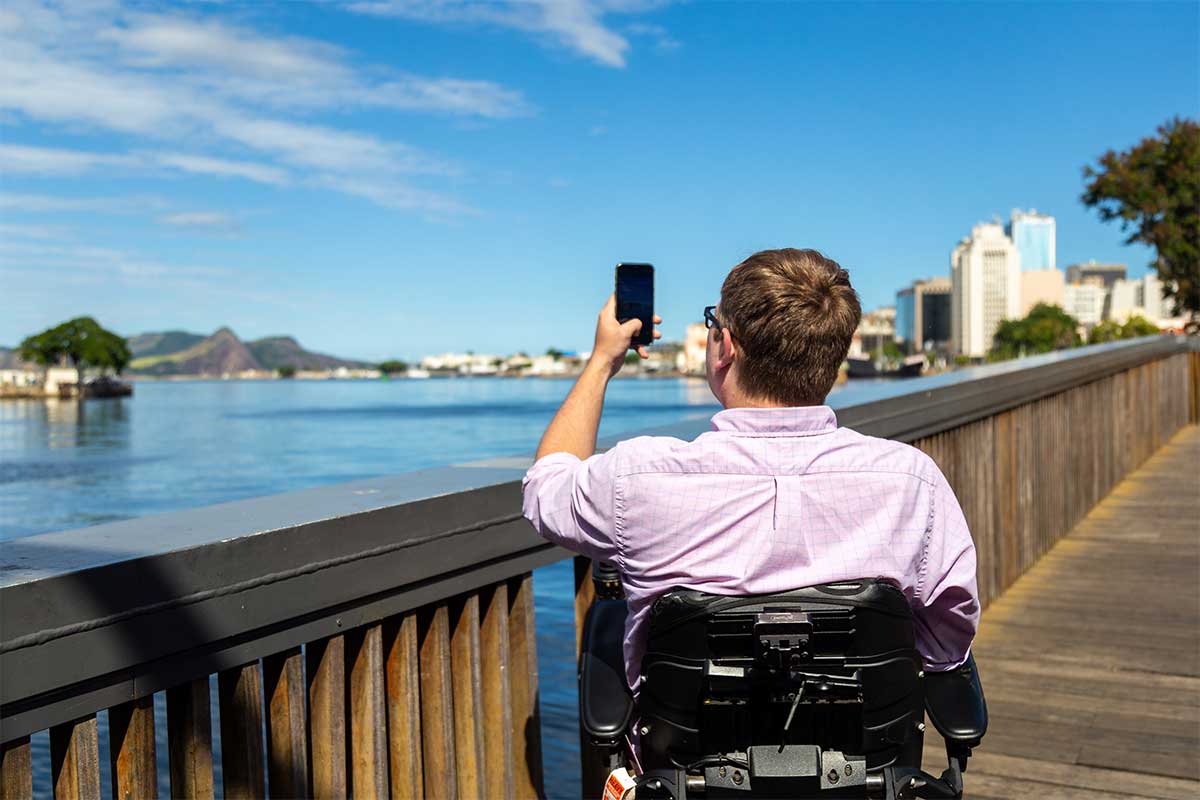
column 613, row 338
column 573, row 429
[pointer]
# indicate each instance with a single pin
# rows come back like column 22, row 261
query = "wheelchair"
column 812, row 693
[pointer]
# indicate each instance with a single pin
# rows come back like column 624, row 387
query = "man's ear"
column 727, row 351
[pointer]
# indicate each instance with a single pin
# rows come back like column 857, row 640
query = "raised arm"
column 573, row 429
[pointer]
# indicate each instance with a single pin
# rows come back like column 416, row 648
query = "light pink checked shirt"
column 771, row 499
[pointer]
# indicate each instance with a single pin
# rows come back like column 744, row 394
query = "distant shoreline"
column 435, row 377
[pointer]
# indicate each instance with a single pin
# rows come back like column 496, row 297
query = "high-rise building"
column 933, row 314
column 1142, row 297
column 985, row 274
column 1108, row 274
column 923, row 315
column 1085, row 301
column 1041, row 286
column 906, row 313
column 1034, row 236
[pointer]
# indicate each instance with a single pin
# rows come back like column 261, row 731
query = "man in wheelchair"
column 781, row 600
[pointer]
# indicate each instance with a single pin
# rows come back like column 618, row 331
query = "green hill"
column 223, row 353
column 145, row 345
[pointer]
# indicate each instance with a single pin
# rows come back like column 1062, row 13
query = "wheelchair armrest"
column 605, row 702
column 955, row 704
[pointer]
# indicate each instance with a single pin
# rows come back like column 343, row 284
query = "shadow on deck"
column 1091, row 661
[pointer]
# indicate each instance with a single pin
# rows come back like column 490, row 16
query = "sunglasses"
column 710, row 318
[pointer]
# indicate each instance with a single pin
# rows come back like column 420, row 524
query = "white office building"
column 1143, row 296
column 985, row 277
column 1034, row 237
column 1085, row 301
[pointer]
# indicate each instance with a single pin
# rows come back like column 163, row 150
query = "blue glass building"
column 1033, row 234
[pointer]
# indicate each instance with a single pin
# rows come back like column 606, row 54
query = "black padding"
column 955, row 704
column 605, row 702
column 714, row 680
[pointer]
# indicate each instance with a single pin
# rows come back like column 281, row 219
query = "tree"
column 1136, row 326
column 1111, row 330
column 1045, row 328
column 393, row 367
column 286, row 371
column 82, row 342
column 1107, row 331
column 1153, row 188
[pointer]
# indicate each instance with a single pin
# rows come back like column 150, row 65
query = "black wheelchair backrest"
column 832, row 666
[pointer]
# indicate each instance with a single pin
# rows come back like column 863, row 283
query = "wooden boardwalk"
column 1091, row 661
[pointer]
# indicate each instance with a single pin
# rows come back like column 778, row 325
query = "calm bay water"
column 176, row 445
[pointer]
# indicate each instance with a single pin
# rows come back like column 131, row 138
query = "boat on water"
column 865, row 366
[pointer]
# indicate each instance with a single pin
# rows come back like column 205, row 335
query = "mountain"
column 145, row 345
column 10, row 359
column 222, row 353
column 274, row 352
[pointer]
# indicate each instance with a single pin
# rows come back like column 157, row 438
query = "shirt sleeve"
column 571, row 502
column 947, row 608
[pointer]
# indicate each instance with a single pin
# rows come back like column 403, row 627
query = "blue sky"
column 402, row 178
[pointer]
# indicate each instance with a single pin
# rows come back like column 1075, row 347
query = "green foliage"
column 632, row 357
column 1107, row 331
column 554, row 353
column 892, row 351
column 286, row 371
column 1154, row 190
column 82, row 342
column 393, row 367
column 1046, row 328
column 1110, row 330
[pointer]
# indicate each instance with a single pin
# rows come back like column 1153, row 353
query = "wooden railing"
column 377, row 638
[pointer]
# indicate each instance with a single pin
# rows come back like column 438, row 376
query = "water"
column 176, row 445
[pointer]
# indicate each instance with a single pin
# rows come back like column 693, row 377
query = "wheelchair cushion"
column 955, row 704
column 605, row 702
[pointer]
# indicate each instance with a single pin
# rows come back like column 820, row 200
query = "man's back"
column 772, row 499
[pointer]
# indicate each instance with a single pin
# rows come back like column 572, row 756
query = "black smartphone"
column 635, row 299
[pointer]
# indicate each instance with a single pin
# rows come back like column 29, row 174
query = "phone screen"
column 635, row 298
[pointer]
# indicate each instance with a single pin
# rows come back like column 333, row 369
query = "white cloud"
column 210, row 221
column 224, row 168
column 188, row 77
column 44, row 204
column 577, row 25
column 17, row 159
column 391, row 194
column 15, row 231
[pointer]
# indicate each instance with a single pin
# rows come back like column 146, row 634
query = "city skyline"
column 384, row 181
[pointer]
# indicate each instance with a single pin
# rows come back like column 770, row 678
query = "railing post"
column 131, row 750
column 593, row 766
column 526, row 711
column 75, row 760
column 16, row 770
column 404, row 709
column 287, row 728
column 189, row 741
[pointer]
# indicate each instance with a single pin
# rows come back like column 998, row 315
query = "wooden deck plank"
column 1091, row 660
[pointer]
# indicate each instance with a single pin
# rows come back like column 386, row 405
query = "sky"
column 396, row 178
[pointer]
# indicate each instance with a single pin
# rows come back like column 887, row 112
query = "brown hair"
column 793, row 313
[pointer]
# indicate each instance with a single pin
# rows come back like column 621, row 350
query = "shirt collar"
column 795, row 421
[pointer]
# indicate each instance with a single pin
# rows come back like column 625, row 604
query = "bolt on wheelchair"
column 813, row 693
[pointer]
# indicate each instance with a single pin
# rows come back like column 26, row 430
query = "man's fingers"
column 610, row 307
column 657, row 319
column 657, row 333
column 641, row 351
column 631, row 326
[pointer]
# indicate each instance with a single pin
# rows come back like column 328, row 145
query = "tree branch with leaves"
column 1153, row 188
